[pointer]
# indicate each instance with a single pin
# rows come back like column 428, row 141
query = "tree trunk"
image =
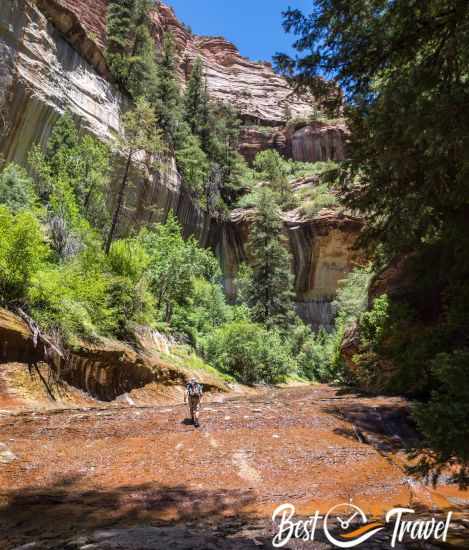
column 117, row 210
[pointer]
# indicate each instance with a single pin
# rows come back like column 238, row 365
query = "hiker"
column 193, row 395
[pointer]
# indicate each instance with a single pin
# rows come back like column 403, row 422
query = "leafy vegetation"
column 407, row 112
column 270, row 291
column 249, row 351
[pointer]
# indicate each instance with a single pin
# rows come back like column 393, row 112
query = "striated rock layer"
column 51, row 60
column 322, row 255
column 252, row 88
column 103, row 370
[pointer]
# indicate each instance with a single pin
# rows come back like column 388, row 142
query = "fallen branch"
column 39, row 336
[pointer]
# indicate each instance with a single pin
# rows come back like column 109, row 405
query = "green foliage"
column 193, row 163
column 272, row 168
column 120, row 38
column 204, row 310
column 407, row 174
column 71, row 178
column 315, row 199
column 16, row 189
column 167, row 99
column 174, row 263
column 319, row 357
column 128, row 258
column 249, row 352
column 443, row 418
column 143, row 71
column 270, row 292
column 70, row 300
column 196, row 104
column 216, row 128
column 22, row 252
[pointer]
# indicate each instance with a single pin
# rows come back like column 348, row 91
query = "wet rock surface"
column 143, row 477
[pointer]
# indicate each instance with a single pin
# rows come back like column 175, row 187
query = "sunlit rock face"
column 41, row 75
column 51, row 60
column 322, row 250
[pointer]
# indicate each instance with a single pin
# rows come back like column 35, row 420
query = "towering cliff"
column 52, row 59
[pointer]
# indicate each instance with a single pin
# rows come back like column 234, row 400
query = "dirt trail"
column 141, row 477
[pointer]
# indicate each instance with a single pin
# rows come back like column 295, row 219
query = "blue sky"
column 254, row 26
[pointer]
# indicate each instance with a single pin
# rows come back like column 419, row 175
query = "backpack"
column 193, row 388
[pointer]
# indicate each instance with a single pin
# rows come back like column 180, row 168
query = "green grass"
column 184, row 357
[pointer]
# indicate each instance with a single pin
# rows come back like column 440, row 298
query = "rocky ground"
column 126, row 477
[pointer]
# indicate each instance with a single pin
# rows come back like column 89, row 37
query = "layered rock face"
column 105, row 370
column 41, row 75
column 252, row 88
column 318, row 141
column 51, row 59
column 322, row 255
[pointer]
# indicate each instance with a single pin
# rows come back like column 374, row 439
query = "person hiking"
column 193, row 395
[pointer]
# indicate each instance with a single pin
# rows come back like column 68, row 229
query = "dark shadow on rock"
column 386, row 427
column 61, row 516
column 187, row 422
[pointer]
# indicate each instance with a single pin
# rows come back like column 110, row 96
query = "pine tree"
column 272, row 167
column 270, row 290
column 196, row 105
column 167, row 96
column 143, row 70
column 120, row 38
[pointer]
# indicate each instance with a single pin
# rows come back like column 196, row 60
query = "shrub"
column 22, row 252
column 71, row 300
column 249, row 352
column 317, row 198
column 205, row 310
column 16, row 189
column 443, row 419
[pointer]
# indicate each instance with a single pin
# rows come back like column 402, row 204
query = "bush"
column 317, row 198
column 319, row 357
column 71, row 301
column 22, row 252
column 128, row 258
column 443, row 420
column 205, row 310
column 249, row 352
column 16, row 189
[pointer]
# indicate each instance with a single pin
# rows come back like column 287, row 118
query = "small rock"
column 6, row 456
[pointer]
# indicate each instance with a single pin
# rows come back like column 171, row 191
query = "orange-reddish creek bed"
column 140, row 477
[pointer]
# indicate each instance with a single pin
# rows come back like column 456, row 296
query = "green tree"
column 270, row 292
column 71, row 178
column 192, row 163
column 274, row 170
column 120, row 38
column 167, row 97
column 174, row 264
column 143, row 71
column 249, row 352
column 196, row 105
column 16, row 188
column 139, row 137
column 22, row 252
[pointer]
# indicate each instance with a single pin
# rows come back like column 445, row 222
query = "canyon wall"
column 322, row 250
column 51, row 59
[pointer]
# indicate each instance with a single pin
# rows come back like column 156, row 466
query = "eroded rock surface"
column 322, row 251
column 143, row 478
column 52, row 59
